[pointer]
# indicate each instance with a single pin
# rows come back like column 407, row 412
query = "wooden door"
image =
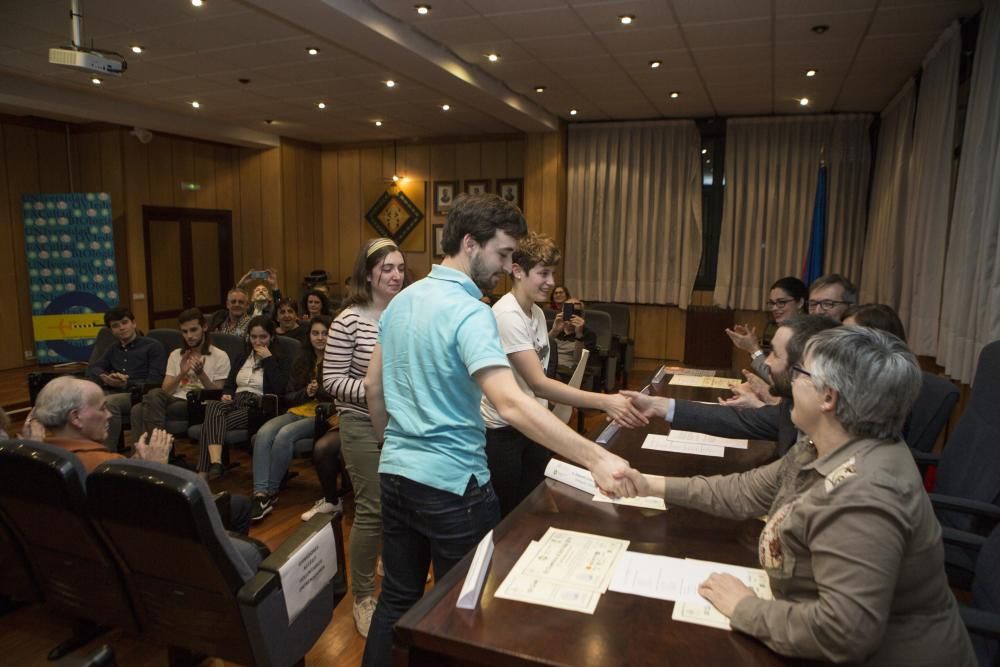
column 189, row 260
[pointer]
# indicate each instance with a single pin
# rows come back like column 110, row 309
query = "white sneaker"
column 323, row 506
column 362, row 612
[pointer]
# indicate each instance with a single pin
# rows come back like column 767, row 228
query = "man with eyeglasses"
column 831, row 295
column 770, row 422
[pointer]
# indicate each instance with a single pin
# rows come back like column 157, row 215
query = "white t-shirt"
column 216, row 368
column 518, row 332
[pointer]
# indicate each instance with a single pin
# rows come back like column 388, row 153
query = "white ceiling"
column 725, row 57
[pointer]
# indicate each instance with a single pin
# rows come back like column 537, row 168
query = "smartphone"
column 568, row 310
column 258, row 275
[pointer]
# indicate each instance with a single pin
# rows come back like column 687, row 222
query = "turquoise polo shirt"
column 434, row 335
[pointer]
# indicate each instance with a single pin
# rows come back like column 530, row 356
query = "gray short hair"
column 850, row 294
column 58, row 398
column 875, row 375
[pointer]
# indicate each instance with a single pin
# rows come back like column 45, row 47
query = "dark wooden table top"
column 624, row 629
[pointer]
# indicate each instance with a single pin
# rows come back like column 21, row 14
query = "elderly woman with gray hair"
column 851, row 547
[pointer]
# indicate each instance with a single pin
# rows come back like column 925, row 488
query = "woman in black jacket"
column 273, row 447
column 260, row 371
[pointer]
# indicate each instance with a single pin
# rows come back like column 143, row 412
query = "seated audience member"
column 876, row 316
column 235, row 318
column 274, row 445
column 316, row 303
column 786, row 299
column 852, row 547
column 261, row 304
column 571, row 339
column 831, row 295
column 288, row 321
column 197, row 365
column 558, row 297
column 73, row 414
column 259, row 372
column 259, row 300
column 770, row 422
column 133, row 360
column 516, row 463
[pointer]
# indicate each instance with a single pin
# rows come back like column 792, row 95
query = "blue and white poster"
column 70, row 247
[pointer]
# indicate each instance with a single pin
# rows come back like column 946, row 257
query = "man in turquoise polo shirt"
column 438, row 353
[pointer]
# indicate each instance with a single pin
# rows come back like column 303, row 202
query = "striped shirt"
column 349, row 346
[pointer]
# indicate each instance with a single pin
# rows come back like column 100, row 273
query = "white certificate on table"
column 534, row 590
column 665, row 444
column 577, row 559
column 677, row 435
column 680, row 370
column 648, row 575
column 704, row 381
column 693, row 608
column 575, row 476
column 645, row 502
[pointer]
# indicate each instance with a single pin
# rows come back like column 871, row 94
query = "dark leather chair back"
column 16, row 579
column 986, row 598
column 105, row 339
column 183, row 571
column 930, row 412
column 170, row 339
column 619, row 313
column 234, row 346
column 42, row 499
column 288, row 349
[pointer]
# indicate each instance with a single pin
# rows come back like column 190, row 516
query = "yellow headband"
column 378, row 244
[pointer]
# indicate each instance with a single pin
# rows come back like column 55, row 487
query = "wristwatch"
column 757, row 353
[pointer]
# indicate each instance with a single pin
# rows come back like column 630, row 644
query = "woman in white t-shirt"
column 517, row 464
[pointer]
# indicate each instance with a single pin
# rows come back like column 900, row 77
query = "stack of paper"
column 689, row 442
column 704, row 381
column 565, row 569
column 680, row 370
column 580, row 478
column 677, row 580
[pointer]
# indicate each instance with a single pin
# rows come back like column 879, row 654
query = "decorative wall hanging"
column 477, row 187
column 394, row 215
column 511, row 189
column 438, row 238
column 444, row 196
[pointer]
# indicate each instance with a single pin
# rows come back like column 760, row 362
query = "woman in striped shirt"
column 379, row 274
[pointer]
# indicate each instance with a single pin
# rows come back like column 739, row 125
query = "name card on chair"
column 468, row 598
column 308, row 570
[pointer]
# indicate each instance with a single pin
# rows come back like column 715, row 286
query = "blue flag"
column 813, row 266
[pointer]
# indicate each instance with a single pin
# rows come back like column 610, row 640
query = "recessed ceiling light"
column 539, row 89
column 321, row 105
column 493, row 57
column 674, row 94
column 196, row 104
column 390, row 84
column 313, row 51
column 653, row 64
column 269, row 121
column 445, row 107
column 811, row 73
column 704, row 151
column 96, row 81
column 395, row 178
column 820, row 29
column 626, row 19
column 572, row 112
column 423, row 10
column 197, row 3
column 804, row 102
column 136, row 49
column 378, row 123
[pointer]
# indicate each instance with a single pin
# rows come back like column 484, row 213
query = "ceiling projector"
column 88, row 60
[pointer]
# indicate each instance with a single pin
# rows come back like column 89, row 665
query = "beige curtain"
column 970, row 313
column 928, row 207
column 633, row 223
column 882, row 270
column 771, row 169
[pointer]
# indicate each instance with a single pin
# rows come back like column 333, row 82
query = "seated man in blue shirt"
column 133, row 360
column 438, row 353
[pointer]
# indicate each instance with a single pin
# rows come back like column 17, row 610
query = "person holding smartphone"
column 571, row 335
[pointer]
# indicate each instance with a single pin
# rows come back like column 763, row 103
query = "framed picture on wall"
column 477, row 187
column 438, row 231
column 511, row 189
column 444, row 196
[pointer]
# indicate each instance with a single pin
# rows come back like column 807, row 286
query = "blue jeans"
column 273, row 449
column 421, row 525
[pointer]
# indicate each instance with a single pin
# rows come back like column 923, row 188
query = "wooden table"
column 625, row 629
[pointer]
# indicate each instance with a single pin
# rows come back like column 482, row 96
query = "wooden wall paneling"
column 493, row 161
column 204, row 175
column 112, row 180
column 351, row 209
column 533, row 167
column 183, row 171
column 247, row 248
column 13, row 283
column 53, row 166
column 330, row 214
column 676, row 324
column 291, row 210
column 651, row 334
column 314, row 195
column 551, row 205
column 415, row 161
column 88, row 154
column 271, row 214
column 136, row 161
column 468, row 161
column 418, row 246
column 160, row 170
column 372, row 185
column 21, row 149
column 515, row 159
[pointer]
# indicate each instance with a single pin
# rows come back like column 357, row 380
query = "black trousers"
column 517, row 465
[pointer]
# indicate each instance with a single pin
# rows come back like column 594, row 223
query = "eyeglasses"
column 826, row 304
column 778, row 303
column 798, row 370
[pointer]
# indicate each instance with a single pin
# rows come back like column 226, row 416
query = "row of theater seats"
column 141, row 547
